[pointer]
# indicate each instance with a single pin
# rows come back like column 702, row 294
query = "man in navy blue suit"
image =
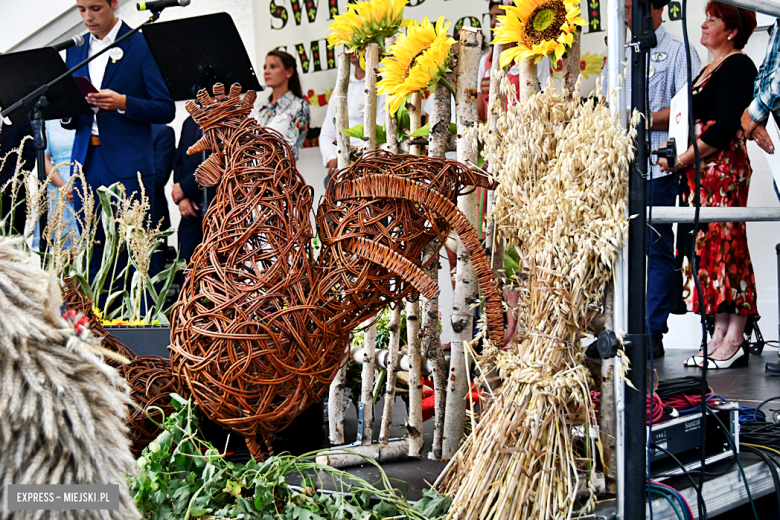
column 186, row 192
column 116, row 144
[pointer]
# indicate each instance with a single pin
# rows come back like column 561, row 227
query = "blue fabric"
column 766, row 89
column 660, row 255
column 164, row 147
column 125, row 138
column 59, row 145
column 184, row 166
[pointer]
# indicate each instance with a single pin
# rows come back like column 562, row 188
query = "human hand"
column 188, row 209
column 663, row 165
column 332, row 165
column 107, row 99
column 762, row 139
column 748, row 125
column 70, row 196
column 177, row 193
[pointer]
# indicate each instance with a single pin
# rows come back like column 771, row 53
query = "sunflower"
column 539, row 28
column 366, row 22
column 417, row 60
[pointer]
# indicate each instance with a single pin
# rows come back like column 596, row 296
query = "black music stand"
column 195, row 53
column 23, row 73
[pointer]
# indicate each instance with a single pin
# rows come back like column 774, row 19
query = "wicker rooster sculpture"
column 262, row 324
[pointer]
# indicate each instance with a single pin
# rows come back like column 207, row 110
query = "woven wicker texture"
column 261, row 326
column 149, row 377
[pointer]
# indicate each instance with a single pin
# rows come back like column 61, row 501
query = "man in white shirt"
column 356, row 98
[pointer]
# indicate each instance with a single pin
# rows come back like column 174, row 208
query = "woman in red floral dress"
column 720, row 94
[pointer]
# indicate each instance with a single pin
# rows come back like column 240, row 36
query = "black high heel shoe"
column 737, row 360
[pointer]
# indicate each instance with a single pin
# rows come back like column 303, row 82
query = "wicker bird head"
column 213, row 115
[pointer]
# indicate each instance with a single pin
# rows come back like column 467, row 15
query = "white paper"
column 678, row 119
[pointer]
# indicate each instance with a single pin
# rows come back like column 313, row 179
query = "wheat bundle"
column 562, row 166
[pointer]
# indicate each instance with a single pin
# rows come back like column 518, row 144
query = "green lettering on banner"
column 278, row 12
column 472, row 20
column 315, row 63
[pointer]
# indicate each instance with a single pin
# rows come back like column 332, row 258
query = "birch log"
column 367, row 384
column 571, row 64
column 414, row 424
column 496, row 103
column 369, row 137
column 462, row 317
column 394, row 328
column 354, row 456
column 437, row 147
column 339, row 98
column 415, row 421
column 529, row 81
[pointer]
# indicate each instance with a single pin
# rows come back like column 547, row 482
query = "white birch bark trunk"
column 355, row 456
column 437, row 147
column 369, row 114
column 496, row 104
column 414, row 423
column 415, row 120
column 529, row 81
column 394, row 328
column 339, row 98
column 369, row 137
column 367, row 385
column 462, row 318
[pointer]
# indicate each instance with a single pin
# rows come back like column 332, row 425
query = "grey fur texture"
column 62, row 409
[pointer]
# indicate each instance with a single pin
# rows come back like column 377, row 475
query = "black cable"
column 763, row 403
column 736, row 457
column 688, row 385
column 771, row 463
column 687, row 473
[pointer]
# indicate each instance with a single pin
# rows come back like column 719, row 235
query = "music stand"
column 195, row 53
column 23, row 73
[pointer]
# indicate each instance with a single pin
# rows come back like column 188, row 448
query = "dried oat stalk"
column 563, row 167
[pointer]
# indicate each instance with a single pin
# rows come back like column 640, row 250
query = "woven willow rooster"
column 262, row 325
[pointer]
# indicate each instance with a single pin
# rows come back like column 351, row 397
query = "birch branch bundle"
column 563, row 172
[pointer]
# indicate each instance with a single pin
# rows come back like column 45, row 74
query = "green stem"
column 447, row 84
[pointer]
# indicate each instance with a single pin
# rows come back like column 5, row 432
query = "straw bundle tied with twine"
column 562, row 167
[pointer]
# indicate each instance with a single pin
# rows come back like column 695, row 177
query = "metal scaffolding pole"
column 616, row 43
column 636, row 400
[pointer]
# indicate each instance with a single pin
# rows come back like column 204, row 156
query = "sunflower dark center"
column 544, row 23
column 414, row 60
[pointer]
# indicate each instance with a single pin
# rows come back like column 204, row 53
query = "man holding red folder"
column 115, row 145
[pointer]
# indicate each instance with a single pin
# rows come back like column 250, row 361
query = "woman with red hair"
column 721, row 92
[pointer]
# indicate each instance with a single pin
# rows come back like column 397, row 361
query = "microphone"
column 76, row 41
column 159, row 5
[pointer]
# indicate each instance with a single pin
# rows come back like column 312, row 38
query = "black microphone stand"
column 38, row 96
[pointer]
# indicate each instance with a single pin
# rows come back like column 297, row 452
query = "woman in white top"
column 285, row 110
